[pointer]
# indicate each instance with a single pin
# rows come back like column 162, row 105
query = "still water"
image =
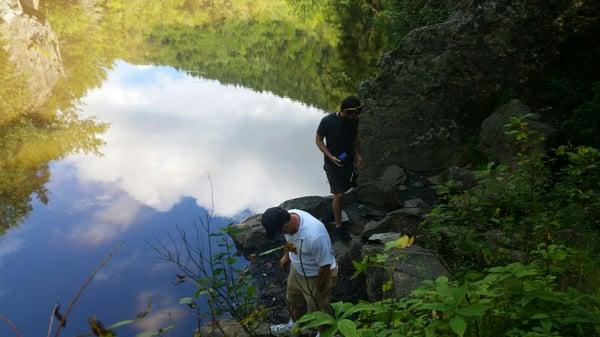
column 154, row 107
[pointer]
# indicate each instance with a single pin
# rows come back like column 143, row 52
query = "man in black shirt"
column 337, row 137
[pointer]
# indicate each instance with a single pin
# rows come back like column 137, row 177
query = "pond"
column 166, row 110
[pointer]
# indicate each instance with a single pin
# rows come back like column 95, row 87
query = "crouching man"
column 309, row 257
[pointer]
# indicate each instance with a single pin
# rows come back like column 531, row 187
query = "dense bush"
column 522, row 245
column 513, row 300
column 542, row 197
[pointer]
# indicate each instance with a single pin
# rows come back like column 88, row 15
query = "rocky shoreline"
column 378, row 211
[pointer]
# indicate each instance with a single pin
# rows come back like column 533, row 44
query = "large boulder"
column 348, row 288
column 404, row 220
column 319, row 207
column 413, row 266
column 385, row 191
column 33, row 49
column 493, row 139
column 443, row 80
column 249, row 236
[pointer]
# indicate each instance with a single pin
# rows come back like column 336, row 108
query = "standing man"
column 309, row 256
column 342, row 151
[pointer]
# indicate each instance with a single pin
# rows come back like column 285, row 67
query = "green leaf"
column 358, row 308
column 315, row 319
column 547, row 325
column 476, row 309
column 458, row 325
column 540, row 316
column 120, row 324
column 347, row 328
column 329, row 332
column 186, row 300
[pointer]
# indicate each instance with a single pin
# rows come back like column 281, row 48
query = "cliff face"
column 33, row 49
column 426, row 106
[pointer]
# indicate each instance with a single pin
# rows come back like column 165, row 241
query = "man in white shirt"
column 313, row 270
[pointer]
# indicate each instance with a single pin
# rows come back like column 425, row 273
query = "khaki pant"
column 303, row 296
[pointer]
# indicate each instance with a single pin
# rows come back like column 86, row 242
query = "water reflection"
column 168, row 130
column 46, row 259
column 29, row 139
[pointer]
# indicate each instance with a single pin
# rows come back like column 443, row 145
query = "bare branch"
column 11, row 325
column 85, row 284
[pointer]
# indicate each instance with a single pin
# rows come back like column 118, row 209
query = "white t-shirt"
column 313, row 239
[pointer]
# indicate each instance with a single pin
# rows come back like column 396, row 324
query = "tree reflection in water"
column 31, row 137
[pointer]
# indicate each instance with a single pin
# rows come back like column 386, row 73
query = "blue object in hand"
column 342, row 156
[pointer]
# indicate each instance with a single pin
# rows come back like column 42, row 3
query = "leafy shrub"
column 542, row 197
column 209, row 261
column 513, row 300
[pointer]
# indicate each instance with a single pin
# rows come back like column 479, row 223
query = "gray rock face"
column 319, row 207
column 396, row 221
column 492, row 137
column 384, row 237
column 392, row 178
column 414, row 203
column 371, row 193
column 32, row 47
column 31, row 4
column 345, row 253
column 440, row 83
column 250, row 236
column 415, row 265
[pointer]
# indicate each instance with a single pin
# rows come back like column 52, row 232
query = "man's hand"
column 336, row 161
column 284, row 262
column 360, row 162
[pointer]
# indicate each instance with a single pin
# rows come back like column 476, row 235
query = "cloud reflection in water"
column 169, row 130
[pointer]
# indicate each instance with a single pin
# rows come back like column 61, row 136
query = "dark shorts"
column 339, row 178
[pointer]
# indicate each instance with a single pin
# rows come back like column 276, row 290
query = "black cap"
column 351, row 103
column 273, row 220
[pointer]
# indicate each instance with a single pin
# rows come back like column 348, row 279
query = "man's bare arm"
column 323, row 148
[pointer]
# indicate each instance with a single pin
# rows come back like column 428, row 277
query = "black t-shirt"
column 339, row 135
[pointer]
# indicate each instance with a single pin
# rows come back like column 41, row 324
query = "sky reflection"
column 169, row 131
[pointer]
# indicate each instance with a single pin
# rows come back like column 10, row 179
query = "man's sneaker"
column 282, row 329
column 343, row 235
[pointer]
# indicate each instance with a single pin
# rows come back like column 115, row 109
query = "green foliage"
column 513, row 300
column 31, row 137
column 398, row 17
column 514, row 208
column 293, row 48
column 572, row 89
column 584, row 123
column 220, row 278
column 542, row 211
column 14, row 93
column 229, row 287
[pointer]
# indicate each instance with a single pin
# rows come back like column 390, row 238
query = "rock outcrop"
column 443, row 80
column 32, row 47
column 494, row 141
column 413, row 265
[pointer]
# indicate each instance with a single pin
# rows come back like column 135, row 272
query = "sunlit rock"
column 32, row 47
